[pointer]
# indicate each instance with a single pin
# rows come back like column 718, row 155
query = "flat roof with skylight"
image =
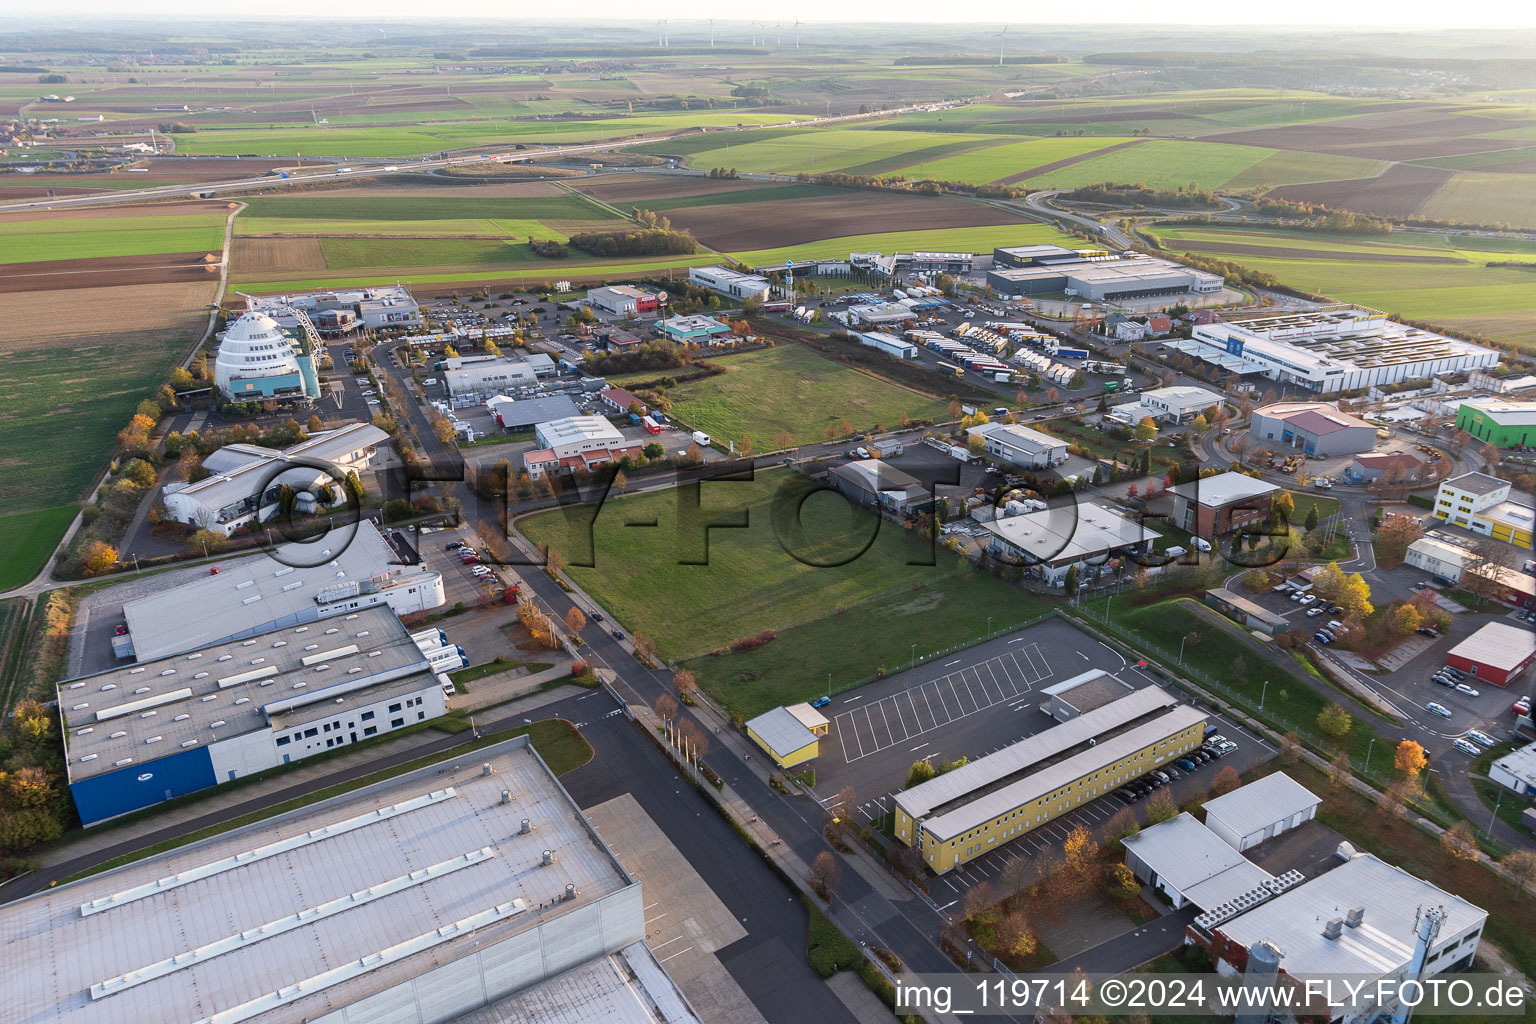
column 428, row 895
column 252, row 593
column 139, row 713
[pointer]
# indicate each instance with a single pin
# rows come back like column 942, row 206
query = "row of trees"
column 645, row 242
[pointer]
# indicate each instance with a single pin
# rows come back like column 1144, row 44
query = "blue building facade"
column 143, row 784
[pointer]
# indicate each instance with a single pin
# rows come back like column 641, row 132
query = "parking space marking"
column 915, row 716
column 1009, row 677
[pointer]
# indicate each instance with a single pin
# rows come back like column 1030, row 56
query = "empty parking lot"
column 967, row 704
column 908, row 714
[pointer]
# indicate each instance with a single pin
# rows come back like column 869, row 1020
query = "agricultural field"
column 72, row 380
column 1011, row 162
column 345, row 236
column 37, row 240
column 27, row 540
column 972, row 239
column 1160, row 163
column 814, row 150
column 385, row 141
column 790, row 387
column 750, row 584
column 1479, row 197
column 1439, row 278
column 825, row 219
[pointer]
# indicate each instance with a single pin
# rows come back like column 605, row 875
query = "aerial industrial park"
column 717, row 520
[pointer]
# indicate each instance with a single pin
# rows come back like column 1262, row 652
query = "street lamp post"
column 989, row 627
column 1368, row 747
column 1181, row 649
column 1497, row 801
column 1263, row 693
column 914, row 656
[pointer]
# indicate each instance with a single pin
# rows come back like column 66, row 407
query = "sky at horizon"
column 1378, row 15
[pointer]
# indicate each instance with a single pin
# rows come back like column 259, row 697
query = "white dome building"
column 258, row 361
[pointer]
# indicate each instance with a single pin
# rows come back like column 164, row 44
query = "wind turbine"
column 797, row 33
column 778, row 28
column 659, row 37
column 1001, row 41
column 711, row 33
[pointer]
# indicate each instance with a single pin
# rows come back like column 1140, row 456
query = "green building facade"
column 1501, row 424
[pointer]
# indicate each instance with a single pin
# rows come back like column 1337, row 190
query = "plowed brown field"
column 767, row 225
column 106, row 272
column 1398, row 192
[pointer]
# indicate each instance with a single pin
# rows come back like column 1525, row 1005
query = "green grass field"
column 65, row 403
column 866, row 638
column 27, row 540
column 48, row 241
column 794, row 388
column 748, row 582
column 1462, row 293
column 997, row 162
column 1288, row 167
column 79, row 245
column 846, row 602
column 1160, row 163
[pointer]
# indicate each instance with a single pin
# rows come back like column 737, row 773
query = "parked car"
column 821, row 702
column 1315, row 611
column 1307, row 599
column 1454, row 673
column 618, row 634
column 597, row 616
column 1279, row 588
column 1465, row 747
column 1438, row 709
column 1426, row 631
column 1297, row 595
column 1186, row 764
column 121, row 629
column 1320, row 638
column 429, row 382
column 1482, row 739
column 1422, row 584
column 453, row 545
column 1445, row 681
column 1470, row 691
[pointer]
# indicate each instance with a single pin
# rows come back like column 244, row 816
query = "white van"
column 701, row 439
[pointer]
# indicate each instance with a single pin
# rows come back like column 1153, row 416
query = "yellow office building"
column 968, row 812
column 1481, row 503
